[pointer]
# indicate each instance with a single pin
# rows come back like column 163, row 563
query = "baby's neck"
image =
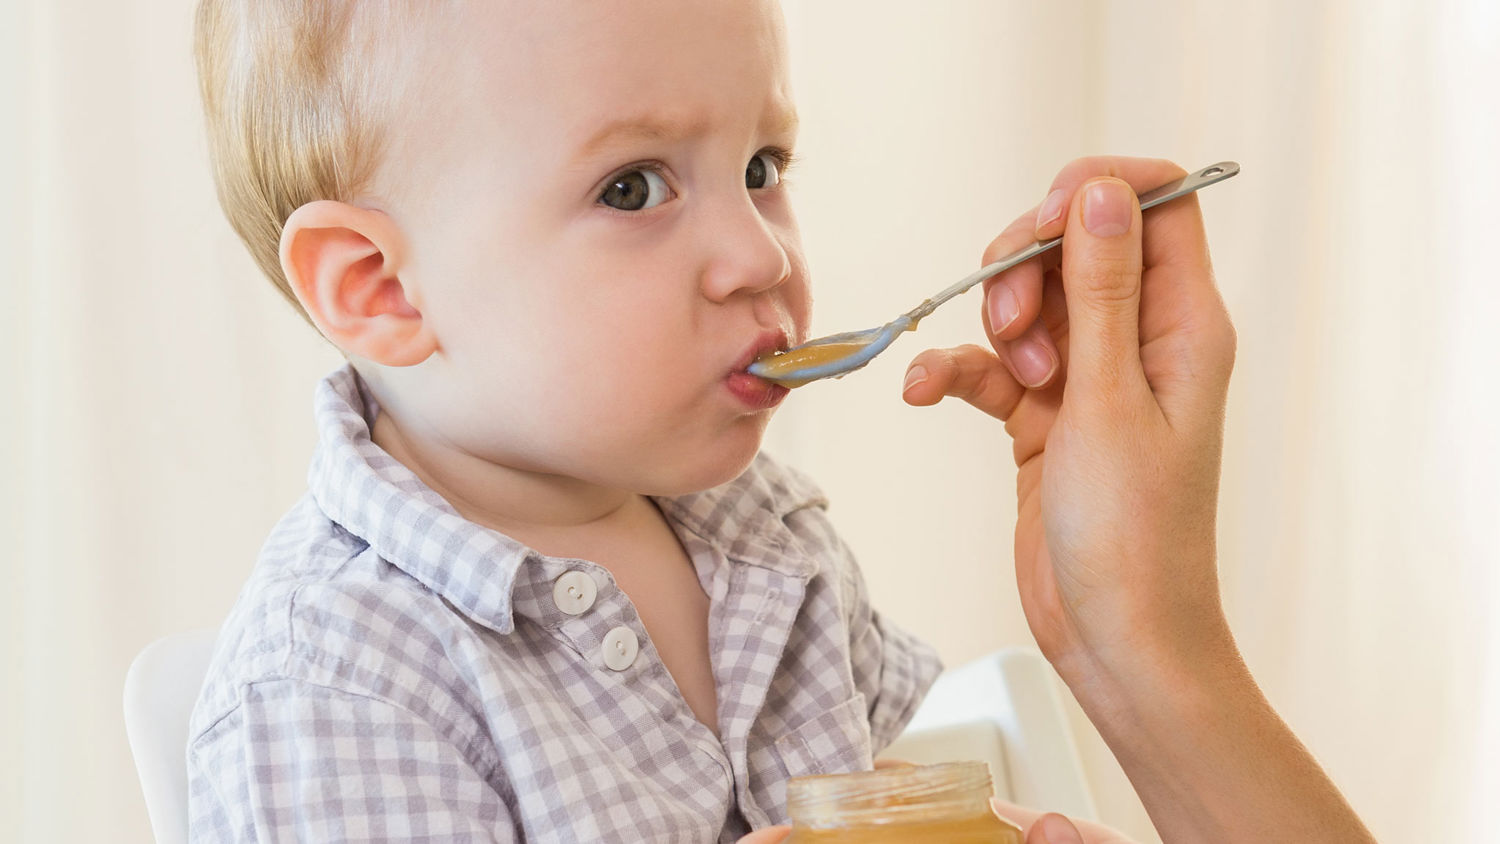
column 554, row 514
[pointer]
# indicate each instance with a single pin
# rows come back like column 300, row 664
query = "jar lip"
column 892, row 795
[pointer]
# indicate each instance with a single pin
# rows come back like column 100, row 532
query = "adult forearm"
column 1208, row 756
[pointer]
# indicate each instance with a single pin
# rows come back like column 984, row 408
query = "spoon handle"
column 1170, row 191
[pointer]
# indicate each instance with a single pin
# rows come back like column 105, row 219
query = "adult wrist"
column 1204, row 749
column 1171, row 680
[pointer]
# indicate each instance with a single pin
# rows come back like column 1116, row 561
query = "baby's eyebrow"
column 656, row 128
column 637, row 129
column 783, row 122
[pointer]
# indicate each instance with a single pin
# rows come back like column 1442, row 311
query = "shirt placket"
column 595, row 618
column 749, row 635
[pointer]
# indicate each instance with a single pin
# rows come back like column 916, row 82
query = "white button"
column 574, row 592
column 620, row 648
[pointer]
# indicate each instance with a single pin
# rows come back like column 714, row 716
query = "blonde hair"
column 298, row 97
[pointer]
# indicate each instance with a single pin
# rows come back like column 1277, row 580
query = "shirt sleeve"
column 892, row 668
column 296, row 761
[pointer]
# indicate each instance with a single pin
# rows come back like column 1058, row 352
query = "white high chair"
column 1003, row 709
column 160, row 689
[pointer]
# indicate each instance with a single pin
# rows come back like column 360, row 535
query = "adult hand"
column 1118, row 435
column 1110, row 366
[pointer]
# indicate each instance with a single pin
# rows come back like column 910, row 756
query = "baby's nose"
column 745, row 253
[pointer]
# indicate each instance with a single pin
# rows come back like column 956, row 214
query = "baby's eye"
column 635, row 190
column 763, row 171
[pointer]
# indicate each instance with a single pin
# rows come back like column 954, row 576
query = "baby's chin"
column 699, row 472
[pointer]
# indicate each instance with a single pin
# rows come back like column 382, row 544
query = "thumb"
column 767, row 835
column 1101, row 271
column 1053, row 828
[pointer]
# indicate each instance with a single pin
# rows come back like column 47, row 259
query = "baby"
column 542, row 585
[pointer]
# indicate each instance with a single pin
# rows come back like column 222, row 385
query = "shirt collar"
column 368, row 493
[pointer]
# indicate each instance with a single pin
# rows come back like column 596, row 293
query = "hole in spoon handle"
column 1209, row 175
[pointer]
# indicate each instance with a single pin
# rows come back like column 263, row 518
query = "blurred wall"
column 155, row 416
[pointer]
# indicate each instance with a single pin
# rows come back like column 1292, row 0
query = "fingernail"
column 914, row 376
column 1057, row 830
column 1033, row 363
column 1106, row 208
column 1052, row 208
column 1004, row 308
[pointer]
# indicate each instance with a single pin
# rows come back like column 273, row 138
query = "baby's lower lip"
column 756, row 393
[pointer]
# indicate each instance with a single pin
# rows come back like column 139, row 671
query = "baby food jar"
column 931, row 804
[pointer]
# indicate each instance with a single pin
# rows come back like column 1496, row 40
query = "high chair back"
column 160, row 689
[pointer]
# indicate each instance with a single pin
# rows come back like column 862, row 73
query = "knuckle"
column 1230, row 335
column 971, row 381
column 1110, row 277
column 947, row 363
column 1226, row 343
column 963, row 362
column 944, row 366
column 1081, row 168
column 1176, row 170
column 1213, row 339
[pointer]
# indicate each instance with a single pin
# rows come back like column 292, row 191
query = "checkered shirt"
column 392, row 671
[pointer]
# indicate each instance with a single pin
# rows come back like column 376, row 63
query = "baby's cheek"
column 799, row 307
column 796, row 293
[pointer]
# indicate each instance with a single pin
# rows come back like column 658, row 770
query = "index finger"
column 1009, row 318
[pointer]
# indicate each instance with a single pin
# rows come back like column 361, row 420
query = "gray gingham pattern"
column 392, row 671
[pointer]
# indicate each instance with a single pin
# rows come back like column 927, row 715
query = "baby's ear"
column 343, row 264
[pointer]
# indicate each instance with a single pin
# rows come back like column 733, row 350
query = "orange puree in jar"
column 933, row 804
column 981, row 829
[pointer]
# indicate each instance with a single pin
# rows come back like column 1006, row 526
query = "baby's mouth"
column 766, row 345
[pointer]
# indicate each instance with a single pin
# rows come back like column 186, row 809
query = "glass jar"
column 912, row 804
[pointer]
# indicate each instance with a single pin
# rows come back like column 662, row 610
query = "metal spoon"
column 838, row 354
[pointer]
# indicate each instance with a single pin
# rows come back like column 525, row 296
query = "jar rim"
column 890, row 795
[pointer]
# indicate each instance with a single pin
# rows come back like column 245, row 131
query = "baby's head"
column 547, row 234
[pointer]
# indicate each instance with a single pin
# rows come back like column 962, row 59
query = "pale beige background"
column 155, row 402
